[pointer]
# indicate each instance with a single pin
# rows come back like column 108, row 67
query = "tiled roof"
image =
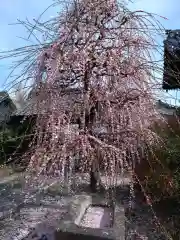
column 3, row 96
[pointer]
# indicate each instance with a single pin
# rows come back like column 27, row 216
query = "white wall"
column 166, row 111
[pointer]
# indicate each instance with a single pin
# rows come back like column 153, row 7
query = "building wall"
column 165, row 109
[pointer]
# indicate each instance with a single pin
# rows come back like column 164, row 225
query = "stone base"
column 69, row 227
column 77, row 236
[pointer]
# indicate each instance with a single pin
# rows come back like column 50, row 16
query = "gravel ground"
column 41, row 208
column 20, row 226
column 142, row 225
column 22, row 208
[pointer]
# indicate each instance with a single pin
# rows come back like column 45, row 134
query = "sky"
column 169, row 9
column 11, row 10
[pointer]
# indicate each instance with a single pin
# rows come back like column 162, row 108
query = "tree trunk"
column 93, row 181
column 89, row 118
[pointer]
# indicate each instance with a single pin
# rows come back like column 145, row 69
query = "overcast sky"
column 11, row 10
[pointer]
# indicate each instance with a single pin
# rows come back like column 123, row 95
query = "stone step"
column 114, row 181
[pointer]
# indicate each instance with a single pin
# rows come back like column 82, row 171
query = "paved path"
column 10, row 178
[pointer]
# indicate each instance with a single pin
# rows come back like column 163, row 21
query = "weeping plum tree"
column 103, row 50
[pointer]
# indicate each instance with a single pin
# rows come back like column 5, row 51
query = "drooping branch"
column 104, row 145
column 104, row 50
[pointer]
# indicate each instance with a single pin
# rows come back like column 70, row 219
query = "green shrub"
column 14, row 140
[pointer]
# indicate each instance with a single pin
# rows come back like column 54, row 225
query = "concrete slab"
column 97, row 216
